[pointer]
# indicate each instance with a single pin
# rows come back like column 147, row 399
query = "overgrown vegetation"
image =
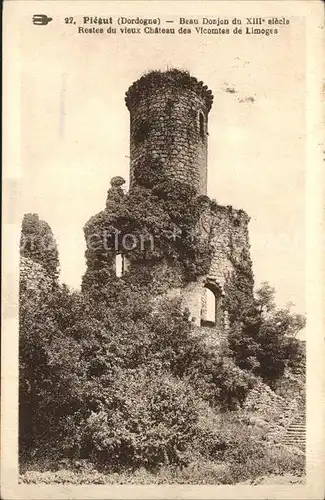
column 135, row 391
column 37, row 243
column 91, row 380
column 155, row 210
column 262, row 338
column 109, row 378
column 179, row 79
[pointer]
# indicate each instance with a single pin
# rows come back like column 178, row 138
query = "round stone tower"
column 169, row 127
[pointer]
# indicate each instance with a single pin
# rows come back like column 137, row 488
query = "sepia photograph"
column 160, row 202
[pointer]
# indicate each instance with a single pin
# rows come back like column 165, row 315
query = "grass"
column 198, row 472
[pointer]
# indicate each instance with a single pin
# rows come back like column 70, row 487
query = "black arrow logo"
column 41, row 19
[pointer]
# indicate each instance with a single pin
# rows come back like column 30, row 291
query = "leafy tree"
column 263, row 338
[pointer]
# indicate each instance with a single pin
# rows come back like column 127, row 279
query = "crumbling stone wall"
column 227, row 230
column 229, row 233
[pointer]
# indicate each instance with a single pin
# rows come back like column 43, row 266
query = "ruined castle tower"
column 169, row 118
column 169, row 125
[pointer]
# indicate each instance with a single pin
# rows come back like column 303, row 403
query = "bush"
column 83, row 368
column 240, row 456
column 275, row 461
column 146, row 419
column 243, row 447
column 262, row 337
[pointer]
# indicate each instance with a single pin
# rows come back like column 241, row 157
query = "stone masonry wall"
column 227, row 229
column 166, row 124
column 229, row 233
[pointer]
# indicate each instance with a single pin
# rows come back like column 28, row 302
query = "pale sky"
column 75, row 134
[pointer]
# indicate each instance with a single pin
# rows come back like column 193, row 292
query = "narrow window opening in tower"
column 141, row 131
column 119, row 265
column 201, row 122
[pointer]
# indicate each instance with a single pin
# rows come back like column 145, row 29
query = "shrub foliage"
column 108, row 376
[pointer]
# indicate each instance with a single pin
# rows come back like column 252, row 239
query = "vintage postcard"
column 163, row 272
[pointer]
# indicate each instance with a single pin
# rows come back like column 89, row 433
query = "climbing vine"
column 155, row 223
column 239, row 286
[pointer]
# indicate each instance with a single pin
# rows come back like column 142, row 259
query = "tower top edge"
column 172, row 77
